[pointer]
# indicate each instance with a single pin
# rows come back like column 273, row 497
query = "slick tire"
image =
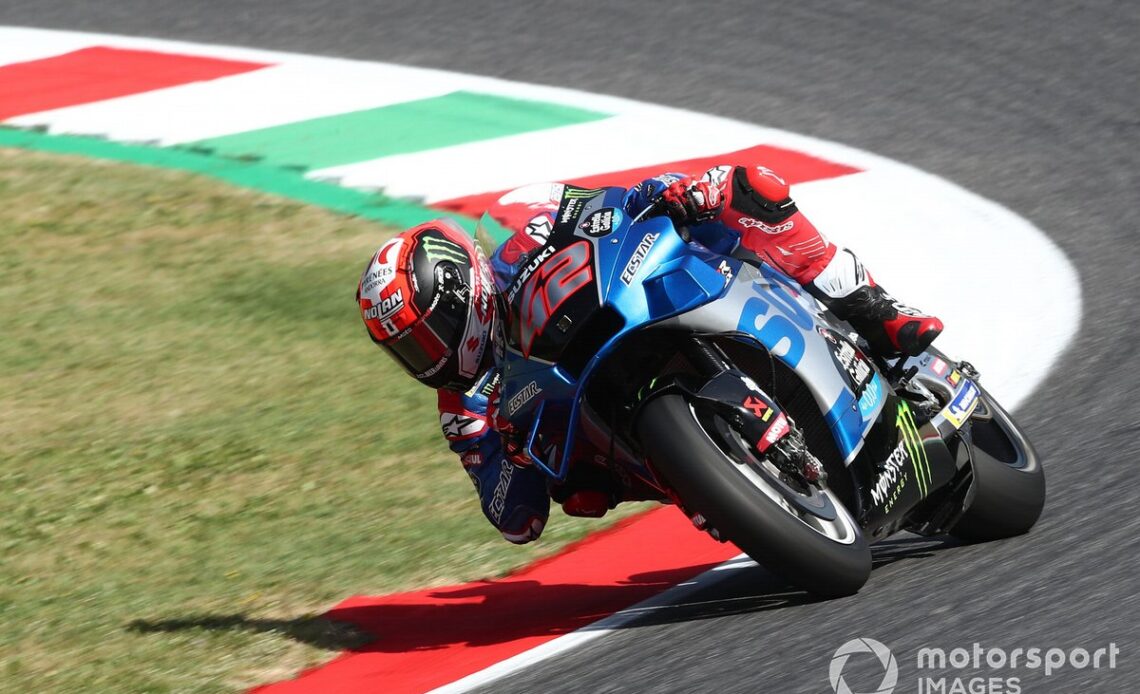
column 1008, row 491
column 708, row 481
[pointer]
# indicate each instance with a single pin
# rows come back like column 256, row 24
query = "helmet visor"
column 420, row 351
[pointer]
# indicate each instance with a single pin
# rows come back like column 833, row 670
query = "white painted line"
column 18, row 45
column 668, row 599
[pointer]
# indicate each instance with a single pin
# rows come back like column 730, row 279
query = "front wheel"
column 805, row 535
column 1008, row 491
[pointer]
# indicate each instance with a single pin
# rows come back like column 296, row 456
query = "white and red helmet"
column 426, row 298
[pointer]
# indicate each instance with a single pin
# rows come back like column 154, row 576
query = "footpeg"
column 915, row 391
column 968, row 370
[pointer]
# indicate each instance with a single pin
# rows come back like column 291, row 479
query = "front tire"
column 1008, row 491
column 710, row 480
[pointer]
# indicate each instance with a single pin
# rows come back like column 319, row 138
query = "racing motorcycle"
column 723, row 387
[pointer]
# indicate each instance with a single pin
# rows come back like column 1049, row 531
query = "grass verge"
column 200, row 451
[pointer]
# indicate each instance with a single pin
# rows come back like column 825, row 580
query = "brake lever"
column 656, row 206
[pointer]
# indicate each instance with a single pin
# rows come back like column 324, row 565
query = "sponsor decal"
column 576, row 193
column 759, row 409
column 892, row 478
column 938, row 367
column 435, row 367
column 962, row 406
column 472, row 353
column 438, row 249
column 522, row 397
column 850, row 360
column 387, row 306
column 869, row 400
column 954, row 378
column 708, row 201
column 750, row 223
column 499, row 498
column 382, row 272
column 777, row 429
column 601, row 223
column 460, row 426
column 765, row 171
column 725, row 269
column 904, row 309
column 539, row 228
column 908, row 434
column 383, row 268
column 484, row 293
column 717, row 175
column 571, row 209
column 488, row 386
column 470, row 459
column 639, row 254
column 527, row 271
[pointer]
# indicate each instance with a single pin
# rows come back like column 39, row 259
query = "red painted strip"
column 429, row 638
column 793, row 166
column 97, row 73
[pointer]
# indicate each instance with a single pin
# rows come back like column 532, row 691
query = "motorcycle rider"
column 427, row 298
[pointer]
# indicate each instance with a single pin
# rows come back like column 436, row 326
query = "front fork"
column 759, row 419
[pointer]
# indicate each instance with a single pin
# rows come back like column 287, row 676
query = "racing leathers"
column 743, row 211
column 513, row 496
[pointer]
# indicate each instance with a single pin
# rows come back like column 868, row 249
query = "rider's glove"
column 513, row 438
column 690, row 201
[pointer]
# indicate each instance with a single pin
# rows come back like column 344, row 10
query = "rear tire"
column 711, row 482
column 1008, row 491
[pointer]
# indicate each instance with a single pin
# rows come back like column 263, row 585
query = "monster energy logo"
column 441, row 249
column 908, row 432
column 574, row 193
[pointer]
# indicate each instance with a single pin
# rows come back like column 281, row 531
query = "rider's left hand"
column 513, row 438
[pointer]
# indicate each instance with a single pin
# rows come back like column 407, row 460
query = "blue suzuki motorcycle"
column 634, row 355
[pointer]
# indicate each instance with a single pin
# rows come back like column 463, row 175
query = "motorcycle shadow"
column 483, row 613
column 487, row 613
column 909, row 547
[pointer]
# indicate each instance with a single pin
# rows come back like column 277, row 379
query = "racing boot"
column 891, row 328
column 587, row 503
column 588, row 491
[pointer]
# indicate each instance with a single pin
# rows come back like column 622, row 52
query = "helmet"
column 427, row 299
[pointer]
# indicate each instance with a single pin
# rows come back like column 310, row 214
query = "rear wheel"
column 1007, row 494
column 802, row 532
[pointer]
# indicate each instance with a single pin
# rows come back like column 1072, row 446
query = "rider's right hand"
column 690, row 201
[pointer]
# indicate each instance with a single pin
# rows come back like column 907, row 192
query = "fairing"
column 646, row 274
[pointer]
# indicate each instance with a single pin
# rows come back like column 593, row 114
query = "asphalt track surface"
column 1034, row 105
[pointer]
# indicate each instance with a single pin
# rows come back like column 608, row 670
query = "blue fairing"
column 649, row 275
